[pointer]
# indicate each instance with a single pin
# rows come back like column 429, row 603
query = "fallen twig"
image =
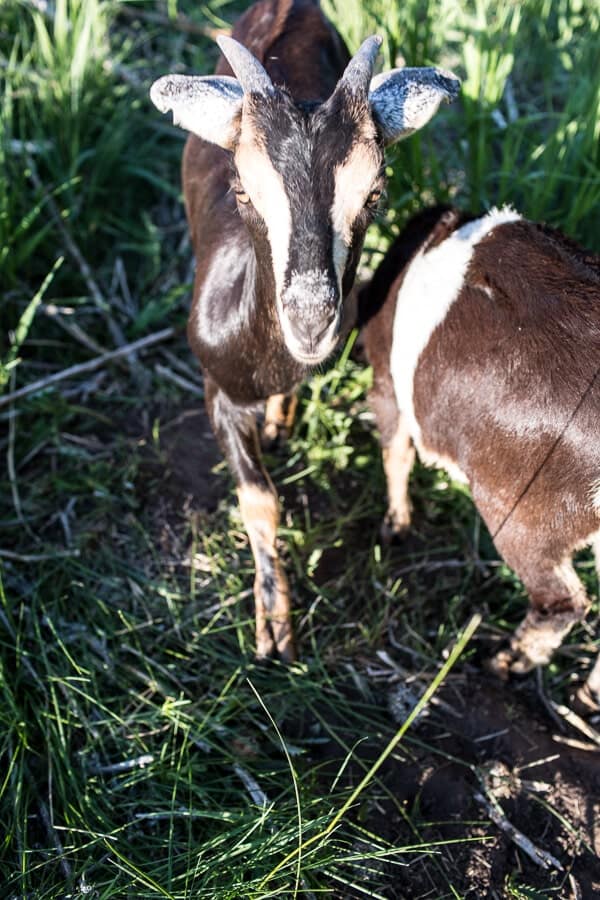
column 140, row 762
column 86, row 273
column 496, row 814
column 37, row 557
column 435, row 565
column 89, row 366
column 577, row 722
column 257, row 795
column 73, row 329
column 179, row 380
column 51, row 831
column 574, row 744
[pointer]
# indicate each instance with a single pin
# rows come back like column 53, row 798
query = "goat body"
column 484, row 336
column 281, row 178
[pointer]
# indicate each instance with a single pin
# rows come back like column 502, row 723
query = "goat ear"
column 404, row 100
column 206, row 106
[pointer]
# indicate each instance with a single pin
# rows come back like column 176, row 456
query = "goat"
column 484, row 337
column 282, row 174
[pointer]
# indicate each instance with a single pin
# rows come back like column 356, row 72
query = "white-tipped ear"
column 404, row 100
column 206, row 106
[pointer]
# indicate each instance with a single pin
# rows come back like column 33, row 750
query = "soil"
column 485, row 736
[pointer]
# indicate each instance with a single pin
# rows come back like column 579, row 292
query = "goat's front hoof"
column 273, row 436
column 265, row 645
column 394, row 528
column 276, row 641
column 283, row 639
column 499, row 665
column 511, row 661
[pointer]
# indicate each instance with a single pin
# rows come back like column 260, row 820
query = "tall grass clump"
column 143, row 751
column 526, row 127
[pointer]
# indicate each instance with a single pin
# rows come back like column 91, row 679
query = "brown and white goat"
column 281, row 177
column 484, row 336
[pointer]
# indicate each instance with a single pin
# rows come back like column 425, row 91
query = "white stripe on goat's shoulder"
column 430, row 287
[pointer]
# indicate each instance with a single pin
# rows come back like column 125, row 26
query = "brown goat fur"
column 504, row 391
column 281, row 175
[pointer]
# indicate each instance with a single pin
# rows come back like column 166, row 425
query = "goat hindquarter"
column 495, row 376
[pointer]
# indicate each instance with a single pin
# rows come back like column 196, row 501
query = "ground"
column 479, row 734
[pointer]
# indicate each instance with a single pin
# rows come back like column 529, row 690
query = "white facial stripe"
column 430, row 287
column 264, row 185
column 353, row 182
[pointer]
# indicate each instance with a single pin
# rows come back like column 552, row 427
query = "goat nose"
column 312, row 330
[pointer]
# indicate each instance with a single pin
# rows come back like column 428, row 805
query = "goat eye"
column 373, row 198
column 242, row 196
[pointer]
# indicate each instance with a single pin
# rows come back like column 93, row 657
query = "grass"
column 143, row 752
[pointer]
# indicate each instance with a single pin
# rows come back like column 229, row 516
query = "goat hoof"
column 273, row 437
column 512, row 661
column 265, row 645
column 284, row 642
column 521, row 664
column 499, row 665
column 276, row 642
column 394, row 531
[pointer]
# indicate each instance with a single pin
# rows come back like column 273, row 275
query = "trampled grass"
column 143, row 752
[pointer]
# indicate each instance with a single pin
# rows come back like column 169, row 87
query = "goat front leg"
column 398, row 460
column 280, row 410
column 236, row 431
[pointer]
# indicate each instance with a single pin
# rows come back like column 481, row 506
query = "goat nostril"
column 324, row 326
column 311, row 331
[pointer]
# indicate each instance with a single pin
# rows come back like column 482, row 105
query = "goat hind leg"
column 558, row 601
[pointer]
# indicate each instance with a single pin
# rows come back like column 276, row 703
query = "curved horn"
column 359, row 71
column 247, row 69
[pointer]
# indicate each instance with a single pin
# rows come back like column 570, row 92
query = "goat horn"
column 247, row 69
column 359, row 71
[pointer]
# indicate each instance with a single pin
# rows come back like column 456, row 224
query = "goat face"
column 307, row 176
column 307, row 179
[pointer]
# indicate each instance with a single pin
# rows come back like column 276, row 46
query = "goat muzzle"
column 310, row 318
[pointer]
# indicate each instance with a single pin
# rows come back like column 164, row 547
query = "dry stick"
column 576, row 722
column 89, row 366
column 458, row 648
column 577, row 745
column 179, row 380
column 52, row 834
column 37, row 557
column 494, row 811
column 73, row 329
